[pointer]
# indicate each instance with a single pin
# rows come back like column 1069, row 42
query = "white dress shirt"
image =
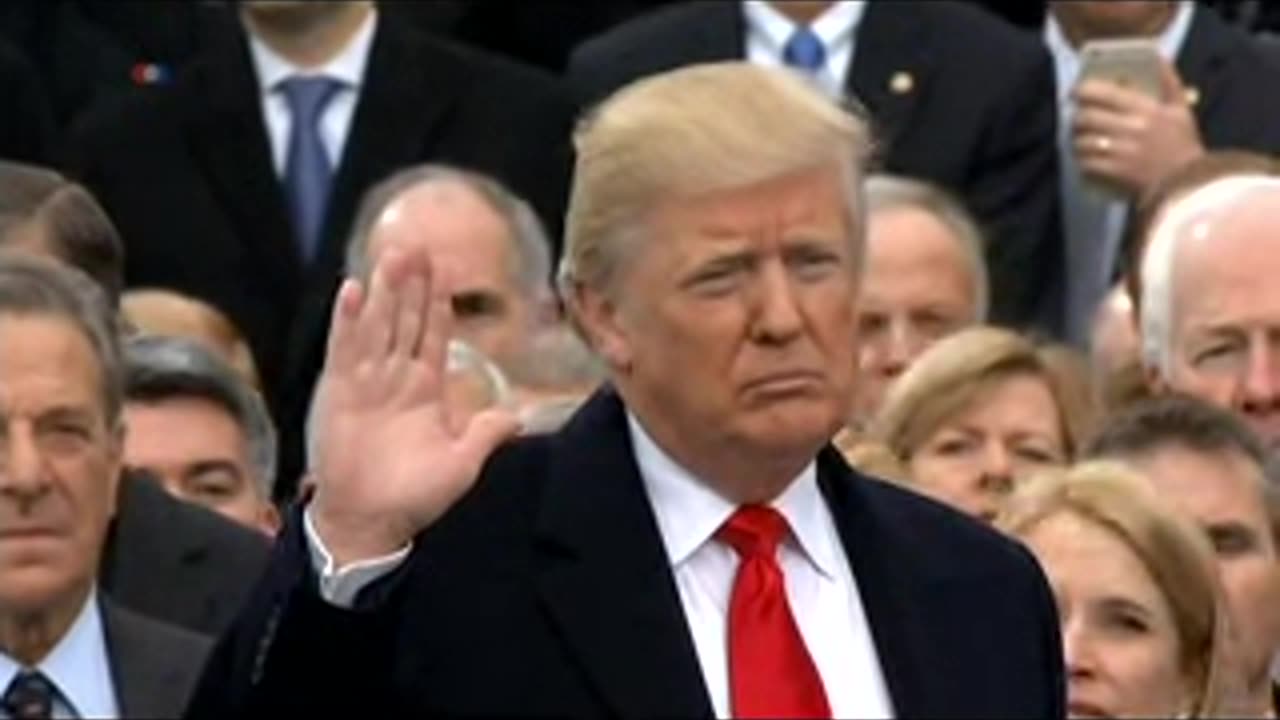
column 1093, row 222
column 78, row 666
column 821, row 589
column 335, row 121
column 769, row 30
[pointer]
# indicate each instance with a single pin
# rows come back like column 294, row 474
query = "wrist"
column 349, row 539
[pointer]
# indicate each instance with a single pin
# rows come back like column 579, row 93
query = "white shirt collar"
column 1066, row 59
column 835, row 26
column 347, row 66
column 78, row 665
column 689, row 512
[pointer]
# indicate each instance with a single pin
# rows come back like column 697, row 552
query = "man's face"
column 917, row 289
column 1222, row 493
column 470, row 246
column 59, row 462
column 200, row 454
column 1226, row 318
column 732, row 328
column 1115, row 18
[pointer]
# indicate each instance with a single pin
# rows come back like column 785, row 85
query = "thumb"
column 1171, row 83
column 485, row 432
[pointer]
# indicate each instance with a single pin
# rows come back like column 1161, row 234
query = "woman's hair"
column 1174, row 552
column 962, row 369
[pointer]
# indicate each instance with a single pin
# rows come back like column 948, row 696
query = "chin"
column 793, row 425
column 32, row 590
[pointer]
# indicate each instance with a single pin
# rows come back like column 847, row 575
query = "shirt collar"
column 689, row 512
column 78, row 665
column 347, row 66
column 835, row 26
column 1066, row 59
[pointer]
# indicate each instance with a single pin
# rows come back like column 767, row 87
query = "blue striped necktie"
column 308, row 170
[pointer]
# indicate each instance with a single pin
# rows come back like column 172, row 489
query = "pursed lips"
column 783, row 379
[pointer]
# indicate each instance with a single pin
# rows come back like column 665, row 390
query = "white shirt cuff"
column 339, row 586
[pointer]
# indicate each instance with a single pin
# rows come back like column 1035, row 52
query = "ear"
column 601, row 320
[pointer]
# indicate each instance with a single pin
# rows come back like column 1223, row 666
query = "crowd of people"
column 767, row 358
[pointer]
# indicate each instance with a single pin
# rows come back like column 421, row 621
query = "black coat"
column 185, row 172
column 154, row 665
column 979, row 118
column 177, row 562
column 547, row 591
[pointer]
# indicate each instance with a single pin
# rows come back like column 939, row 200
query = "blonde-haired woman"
column 980, row 409
column 1142, row 617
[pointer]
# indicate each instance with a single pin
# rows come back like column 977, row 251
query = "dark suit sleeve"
column 1014, row 190
column 291, row 654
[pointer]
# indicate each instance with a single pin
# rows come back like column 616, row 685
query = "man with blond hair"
column 688, row 544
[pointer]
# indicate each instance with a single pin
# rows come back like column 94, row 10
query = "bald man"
column 1211, row 300
column 487, row 242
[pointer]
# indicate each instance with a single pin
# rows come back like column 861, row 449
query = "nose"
column 1261, row 391
column 1077, row 650
column 904, row 345
column 997, row 469
column 778, row 318
column 22, row 475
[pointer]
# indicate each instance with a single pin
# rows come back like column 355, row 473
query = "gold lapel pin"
column 902, row 83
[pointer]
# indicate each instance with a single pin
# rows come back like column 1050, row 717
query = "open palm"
column 388, row 462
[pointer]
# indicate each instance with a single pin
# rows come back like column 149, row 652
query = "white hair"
column 1186, row 215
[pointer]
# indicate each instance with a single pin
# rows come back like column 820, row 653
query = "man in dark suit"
column 163, row 557
column 689, row 544
column 1117, row 143
column 65, row 649
column 957, row 97
column 222, row 195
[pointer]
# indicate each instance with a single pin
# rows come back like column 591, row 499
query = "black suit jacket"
column 27, row 131
column 979, row 118
column 154, row 665
column 185, row 172
column 547, row 591
column 1233, row 77
column 178, row 562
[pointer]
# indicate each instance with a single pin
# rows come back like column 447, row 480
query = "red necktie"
column 770, row 671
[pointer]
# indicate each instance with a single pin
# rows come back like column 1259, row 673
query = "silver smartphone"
column 1132, row 63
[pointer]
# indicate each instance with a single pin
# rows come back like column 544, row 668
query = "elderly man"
column 925, row 277
column 1210, row 311
column 487, row 240
column 65, row 649
column 195, row 425
column 687, row 544
column 1207, row 462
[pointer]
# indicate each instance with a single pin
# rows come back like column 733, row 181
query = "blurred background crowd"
column 1067, row 279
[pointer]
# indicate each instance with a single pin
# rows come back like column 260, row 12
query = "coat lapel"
column 604, row 577
column 228, row 139
column 895, row 595
column 891, row 66
column 147, row 683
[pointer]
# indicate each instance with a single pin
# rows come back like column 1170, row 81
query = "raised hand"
column 388, row 460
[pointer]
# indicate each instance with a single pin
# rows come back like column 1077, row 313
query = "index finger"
column 1110, row 96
